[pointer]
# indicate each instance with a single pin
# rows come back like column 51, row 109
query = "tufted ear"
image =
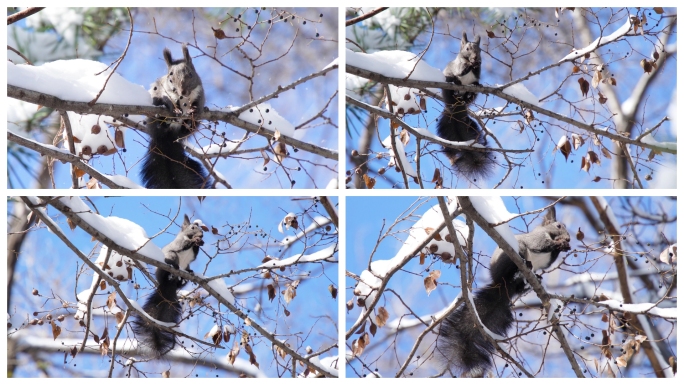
column 550, row 216
column 167, row 57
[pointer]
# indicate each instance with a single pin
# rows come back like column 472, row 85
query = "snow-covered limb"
column 327, row 254
column 116, row 110
column 500, row 93
column 64, row 155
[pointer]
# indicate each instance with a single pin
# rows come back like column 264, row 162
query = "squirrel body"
column 166, row 164
column 163, row 304
column 460, row 345
column 454, row 124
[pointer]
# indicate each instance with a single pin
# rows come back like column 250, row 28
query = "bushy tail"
column 166, row 165
column 461, row 346
column 161, row 305
column 455, row 125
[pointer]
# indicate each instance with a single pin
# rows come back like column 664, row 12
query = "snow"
column 118, row 265
column 492, row 209
column 332, row 184
column 221, row 288
column 215, row 149
column 405, row 165
column 332, row 63
column 518, row 90
column 650, row 308
column 623, row 30
column 426, row 133
column 91, row 132
column 266, row 117
column 123, row 232
column 318, row 222
column 124, row 181
column 77, row 80
column 397, row 64
column 649, row 139
column 327, row 254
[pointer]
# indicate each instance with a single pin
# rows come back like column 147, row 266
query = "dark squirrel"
column 460, row 344
column 163, row 303
column 454, row 124
column 166, row 164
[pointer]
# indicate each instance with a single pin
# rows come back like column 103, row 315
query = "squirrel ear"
column 550, row 216
column 477, row 40
column 186, row 54
column 464, row 39
column 186, row 220
column 167, row 57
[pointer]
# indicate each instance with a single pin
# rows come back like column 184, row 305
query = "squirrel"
column 454, row 124
column 166, row 164
column 460, row 344
column 163, row 303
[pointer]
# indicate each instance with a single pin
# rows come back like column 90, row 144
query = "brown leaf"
column 580, row 235
column 606, row 153
column 602, row 99
column 422, row 258
column 271, row 292
column 119, row 138
column 436, row 176
column 521, row 126
column 333, row 291
column 219, row 34
column 373, row 328
column 529, row 116
column 577, row 141
column 71, row 224
column 394, row 124
column 56, row 330
column 435, row 273
column 658, row 10
column 586, row 164
column 166, row 374
column 276, row 135
column 605, row 345
column 575, row 69
column 92, row 184
column 593, row 157
column 369, row 181
column 423, row 104
column 111, row 300
column 264, row 155
column 232, row 355
column 613, row 82
column 430, row 284
column 646, row 65
column 490, row 34
column 350, row 304
column 564, row 146
column 584, row 86
column 381, row 318
column 280, row 151
column 404, row 137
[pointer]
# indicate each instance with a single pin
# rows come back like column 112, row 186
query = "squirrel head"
column 555, row 229
column 470, row 51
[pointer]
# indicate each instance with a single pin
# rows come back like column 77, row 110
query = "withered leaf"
column 421, row 258
column 584, row 86
column 490, row 34
column 575, row 69
column 436, row 176
column 404, row 136
column 577, row 141
column 218, row 33
column 658, row 10
column 333, row 291
column 602, row 99
column 430, row 284
column 381, row 318
column 232, row 355
column 271, row 292
column 369, row 181
column 423, row 104
column 597, row 77
column 56, row 330
column 119, row 138
column 586, row 164
column 593, row 157
column 646, row 65
column 373, row 329
column 564, row 146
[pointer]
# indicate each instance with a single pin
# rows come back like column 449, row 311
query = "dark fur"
column 460, row 345
column 166, row 164
column 162, row 305
column 454, row 124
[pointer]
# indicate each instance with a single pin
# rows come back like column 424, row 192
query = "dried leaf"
column 381, row 318
column 271, row 292
column 430, row 284
column 584, row 86
column 575, row 69
column 646, row 65
column 529, row 116
column 436, row 176
column 577, row 141
column 423, row 104
column 369, row 181
column 333, row 291
column 602, row 99
column 265, row 156
column 373, row 328
column 119, row 138
column 564, row 146
column 605, row 345
column 404, row 136
column 490, row 34
column 586, row 164
column 422, row 258
column 435, row 273
column 166, row 374
column 56, row 330
column 232, row 355
column 596, row 78
column 606, row 153
column 219, row 34
column 71, row 224
column 593, row 157
column 658, row 10
column 394, row 124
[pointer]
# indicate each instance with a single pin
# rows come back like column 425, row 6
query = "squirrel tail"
column 455, row 125
column 166, row 165
column 460, row 344
column 161, row 305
